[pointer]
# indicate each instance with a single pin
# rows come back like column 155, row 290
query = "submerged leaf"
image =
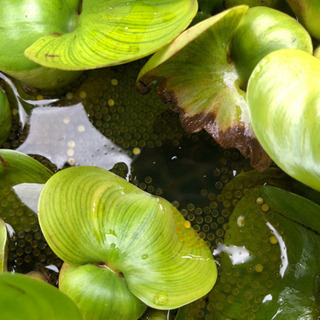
column 3, row 246
column 199, row 82
column 153, row 314
column 22, row 297
column 89, row 215
column 113, row 32
column 269, row 259
column 5, row 117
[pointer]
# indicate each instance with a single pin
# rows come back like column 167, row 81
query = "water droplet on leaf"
column 160, row 299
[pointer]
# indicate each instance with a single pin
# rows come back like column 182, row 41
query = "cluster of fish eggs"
column 137, row 123
column 120, row 113
column 27, row 248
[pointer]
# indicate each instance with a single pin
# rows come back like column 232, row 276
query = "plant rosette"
column 123, row 249
column 284, row 100
column 203, row 73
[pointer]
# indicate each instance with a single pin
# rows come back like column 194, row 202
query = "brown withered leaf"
column 195, row 77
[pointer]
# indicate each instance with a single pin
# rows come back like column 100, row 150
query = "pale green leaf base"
column 99, row 293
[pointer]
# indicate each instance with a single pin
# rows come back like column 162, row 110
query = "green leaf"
column 276, row 4
column 269, row 260
column 294, row 207
column 22, row 297
column 110, row 295
column 16, row 168
column 21, row 24
column 89, row 215
column 5, row 117
column 308, row 12
column 3, row 246
column 114, row 32
column 197, row 80
column 261, row 31
column 284, row 101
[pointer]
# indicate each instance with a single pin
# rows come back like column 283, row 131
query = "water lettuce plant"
column 22, row 297
column 203, row 73
column 124, row 249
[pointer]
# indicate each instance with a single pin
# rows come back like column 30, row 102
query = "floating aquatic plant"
column 121, row 246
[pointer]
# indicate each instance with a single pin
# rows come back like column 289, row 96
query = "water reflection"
column 29, row 194
column 237, row 255
column 65, row 136
column 283, row 249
